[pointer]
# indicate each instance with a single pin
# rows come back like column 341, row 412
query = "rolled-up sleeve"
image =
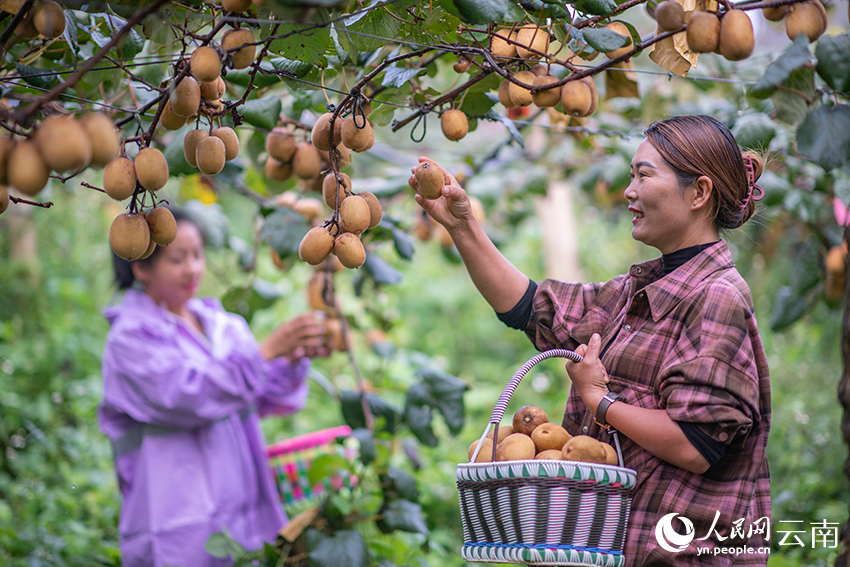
column 287, row 387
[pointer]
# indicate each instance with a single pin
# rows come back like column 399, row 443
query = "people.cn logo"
column 667, row 536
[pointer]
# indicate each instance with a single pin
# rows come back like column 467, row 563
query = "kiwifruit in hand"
column 276, row 170
column 774, row 13
column 521, row 96
column 238, row 40
column 237, row 6
column 504, row 431
column 280, row 144
column 504, row 96
column 103, row 136
column 736, row 36
column 670, row 15
column 210, row 155
column 129, row 236
column 27, row 170
column 4, row 199
column 548, row 97
column 620, row 28
column 6, row 147
column 354, row 214
column 549, row 436
column 577, row 98
column 499, row 47
column 549, row 455
column 354, row 138
column 306, row 163
column 170, row 120
column 528, row 418
column 454, row 124
column 309, row 208
column 515, row 447
column 349, row 250
column 485, row 455
column 584, row 448
column 376, row 212
column 49, row 19
column 213, row 90
column 151, row 169
column 429, row 180
column 533, row 42
column 703, row 32
column 805, row 18
column 162, row 225
column 186, row 97
column 610, row 454
column 190, row 145
column 205, row 64
column 330, row 188
column 320, row 134
column 316, row 245
column 63, row 143
column 119, row 178
column 230, row 139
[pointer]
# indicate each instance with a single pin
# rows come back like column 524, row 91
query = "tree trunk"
column 560, row 233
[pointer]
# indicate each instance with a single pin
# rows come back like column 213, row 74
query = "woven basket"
column 543, row 512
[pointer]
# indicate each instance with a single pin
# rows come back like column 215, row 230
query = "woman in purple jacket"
column 185, row 385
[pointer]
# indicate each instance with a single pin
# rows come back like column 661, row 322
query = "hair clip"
column 751, row 183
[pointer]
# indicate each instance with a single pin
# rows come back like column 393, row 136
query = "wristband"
column 603, row 406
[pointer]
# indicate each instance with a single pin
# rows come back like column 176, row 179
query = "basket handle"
column 510, row 388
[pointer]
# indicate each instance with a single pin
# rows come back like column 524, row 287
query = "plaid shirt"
column 688, row 343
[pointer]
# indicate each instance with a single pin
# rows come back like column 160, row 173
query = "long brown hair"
column 696, row 145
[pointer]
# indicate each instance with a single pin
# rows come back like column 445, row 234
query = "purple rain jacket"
column 182, row 410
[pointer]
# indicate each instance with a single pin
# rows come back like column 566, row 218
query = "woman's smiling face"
column 175, row 273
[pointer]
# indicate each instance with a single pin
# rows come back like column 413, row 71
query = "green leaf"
column 174, row 156
column 445, row 392
column 241, row 77
column 791, row 103
column 780, row 70
column 805, row 272
column 352, row 410
column 293, row 66
column 595, row 7
column 345, row 48
column 262, row 112
column 403, row 483
column 833, row 54
column 418, row 415
column 40, row 78
column 788, row 307
column 325, row 467
column 484, row 11
column 380, row 271
column 249, row 299
column 346, row 548
column 510, row 126
column 605, row 40
column 398, row 76
column 244, row 251
column 403, row 243
column 824, row 136
column 217, row 546
column 283, row 230
column 303, row 42
column 72, row 30
column 754, row 130
column 367, row 451
column 214, row 224
column 367, row 29
column 477, row 104
column 383, row 114
column 404, row 515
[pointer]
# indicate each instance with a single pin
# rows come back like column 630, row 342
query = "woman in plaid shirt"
column 673, row 344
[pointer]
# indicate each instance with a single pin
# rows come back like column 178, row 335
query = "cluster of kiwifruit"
column 809, row 18
column 47, row 18
column 532, row 436
column 730, row 34
column 134, row 236
column 318, row 294
column 60, row 143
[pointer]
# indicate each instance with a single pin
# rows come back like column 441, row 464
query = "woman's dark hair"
column 124, row 268
column 700, row 145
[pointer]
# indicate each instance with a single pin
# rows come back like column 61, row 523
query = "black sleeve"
column 708, row 447
column 520, row 314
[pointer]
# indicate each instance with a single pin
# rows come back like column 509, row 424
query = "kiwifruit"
column 103, row 136
column 309, row 207
column 540, row 69
column 477, row 208
column 287, row 199
column 349, row 250
column 151, row 169
column 63, row 143
column 461, row 65
column 280, row 144
column 533, row 42
column 454, row 124
column 186, row 97
column 147, row 253
column 129, row 236
column 210, row 154
column 703, row 32
column 835, row 259
column 549, row 455
column 356, row 139
column 499, row 47
column 6, row 147
column 515, row 447
column 610, row 454
column 376, row 212
column 344, row 156
column 119, row 178
column 190, row 145
column 504, row 96
column 577, row 98
column 213, row 108
column 205, row 64
column 316, row 291
column 774, row 13
column 4, row 199
column 334, row 337
column 316, row 245
column 736, row 36
column 620, row 28
column 504, row 430
column 238, row 40
column 823, row 14
column 548, row 97
column 169, row 119
column 485, row 455
column 306, row 163
column 276, row 170
column 429, row 180
column 213, row 90
column 521, row 96
column 162, row 225
column 49, row 19
column 354, row 214
column 528, row 418
column 230, row 139
column 320, row 135
column 548, row 436
column 584, row 448
column 588, row 80
column 330, row 187
column 237, row 6
column 26, row 28
column 27, row 170
column 804, row 18
column 371, row 141
column 670, row 15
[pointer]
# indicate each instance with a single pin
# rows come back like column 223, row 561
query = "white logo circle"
column 667, row 536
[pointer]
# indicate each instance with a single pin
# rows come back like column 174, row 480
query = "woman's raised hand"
column 303, row 335
column 452, row 208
